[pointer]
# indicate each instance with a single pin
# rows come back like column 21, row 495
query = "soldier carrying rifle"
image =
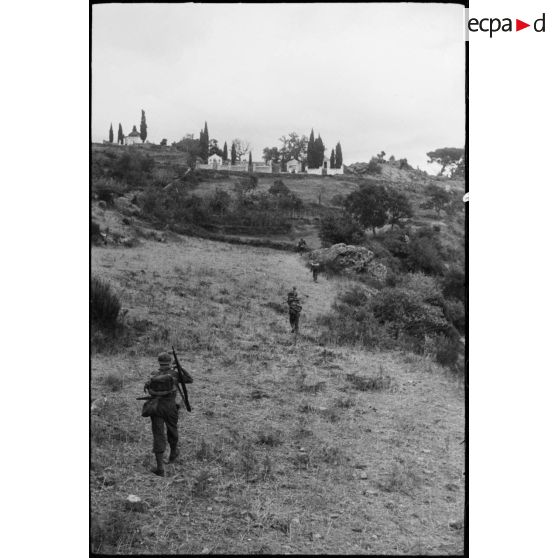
column 162, row 408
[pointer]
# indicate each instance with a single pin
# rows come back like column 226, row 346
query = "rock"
column 363, row 475
column 135, row 503
column 352, row 259
column 205, row 550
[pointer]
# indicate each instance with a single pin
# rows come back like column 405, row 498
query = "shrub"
column 340, row 228
column 278, row 188
column 425, row 253
column 374, row 167
column 448, row 350
column 103, row 303
column 454, row 311
column 94, row 231
column 453, row 284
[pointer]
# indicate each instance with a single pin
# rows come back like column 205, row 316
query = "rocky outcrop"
column 351, row 259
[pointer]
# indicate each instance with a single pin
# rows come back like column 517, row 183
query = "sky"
column 374, row 77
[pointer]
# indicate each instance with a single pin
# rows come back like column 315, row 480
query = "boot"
column 160, row 469
column 174, row 453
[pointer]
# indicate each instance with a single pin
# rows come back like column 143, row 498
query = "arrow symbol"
column 519, row 25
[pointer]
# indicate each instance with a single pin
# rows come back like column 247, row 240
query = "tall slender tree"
column 233, row 154
column 204, row 143
column 311, row 158
column 332, row 160
column 225, row 152
column 120, row 139
column 111, row 134
column 338, row 156
column 143, row 127
column 319, row 149
column 250, row 162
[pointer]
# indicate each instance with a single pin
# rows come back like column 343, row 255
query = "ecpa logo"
column 494, row 24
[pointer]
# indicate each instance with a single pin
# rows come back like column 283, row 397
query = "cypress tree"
column 204, row 144
column 225, row 152
column 111, row 134
column 311, row 151
column 319, row 149
column 250, row 158
column 338, row 156
column 143, row 127
column 120, row 134
column 332, row 160
column 233, row 154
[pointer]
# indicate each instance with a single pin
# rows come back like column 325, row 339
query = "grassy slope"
column 232, row 493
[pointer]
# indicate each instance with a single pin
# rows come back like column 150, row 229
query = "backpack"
column 162, row 384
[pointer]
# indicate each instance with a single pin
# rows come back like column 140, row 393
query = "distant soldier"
column 163, row 410
column 302, row 247
column 315, row 268
column 294, row 309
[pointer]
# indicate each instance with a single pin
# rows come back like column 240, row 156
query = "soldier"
column 163, row 410
column 302, row 247
column 315, row 267
column 294, row 309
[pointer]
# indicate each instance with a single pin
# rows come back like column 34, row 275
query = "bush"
column 454, row 311
column 425, row 253
column 103, row 304
column 340, row 228
column 279, row 189
column 453, row 284
column 94, row 231
column 106, row 189
column 374, row 167
column 447, row 350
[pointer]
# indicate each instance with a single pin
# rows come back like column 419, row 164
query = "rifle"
column 144, row 398
column 181, row 384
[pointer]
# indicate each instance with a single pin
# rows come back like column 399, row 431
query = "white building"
column 294, row 166
column 214, row 160
column 132, row 137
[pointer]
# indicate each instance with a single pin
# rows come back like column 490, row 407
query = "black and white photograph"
column 278, row 309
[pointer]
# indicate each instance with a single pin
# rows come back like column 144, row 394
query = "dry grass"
column 283, row 451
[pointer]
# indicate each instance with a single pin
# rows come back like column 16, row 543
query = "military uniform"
column 163, row 386
column 294, row 309
column 315, row 268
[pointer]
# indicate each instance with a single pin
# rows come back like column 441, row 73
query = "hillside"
column 296, row 444
column 291, row 447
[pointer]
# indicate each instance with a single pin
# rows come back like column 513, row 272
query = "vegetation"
column 120, row 139
column 143, row 127
column 448, row 157
column 340, row 228
column 111, row 134
column 104, row 305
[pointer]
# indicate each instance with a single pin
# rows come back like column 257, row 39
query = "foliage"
column 225, row 152
column 338, row 156
column 120, row 138
column 425, row 253
column 164, row 141
column 453, row 284
column 104, row 305
column 204, row 144
column 447, row 157
column 191, row 147
column 332, row 160
column 374, row 167
column 369, row 205
column 339, row 228
column 278, row 188
column 111, row 134
column 398, row 207
column 143, row 127
column 131, row 167
column 220, row 201
column 106, row 189
column 271, row 154
column 233, row 153
column 438, row 199
column 241, row 147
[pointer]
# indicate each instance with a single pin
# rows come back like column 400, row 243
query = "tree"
column 163, row 141
column 214, row 148
column 381, row 156
column 339, row 228
column 398, row 207
column 271, row 154
column 311, row 156
column 294, row 147
column 233, row 153
column 447, row 157
column 438, row 199
column 319, row 150
column 369, row 205
column 250, row 159
column 120, row 138
column 204, row 143
column 338, row 156
column 225, row 152
column 332, row 160
column 241, row 147
column 111, row 134
column 143, row 127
